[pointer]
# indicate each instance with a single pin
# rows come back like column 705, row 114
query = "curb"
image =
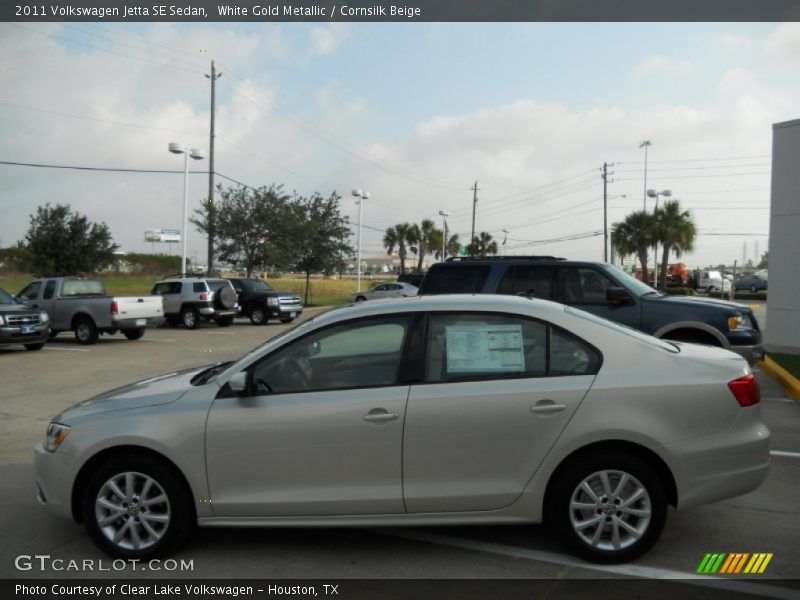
column 786, row 379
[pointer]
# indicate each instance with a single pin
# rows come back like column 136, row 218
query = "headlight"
column 2, row 321
column 739, row 322
column 44, row 317
column 56, row 433
column 272, row 302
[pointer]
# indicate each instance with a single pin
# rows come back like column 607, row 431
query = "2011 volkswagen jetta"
column 422, row 411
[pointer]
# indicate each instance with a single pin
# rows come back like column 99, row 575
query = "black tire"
column 710, row 289
column 190, row 318
column 34, row 347
column 133, row 334
column 53, row 333
column 289, row 320
column 607, row 510
column 86, row 331
column 178, row 507
column 360, row 298
column 694, row 338
column 258, row 316
column 225, row 298
column 224, row 321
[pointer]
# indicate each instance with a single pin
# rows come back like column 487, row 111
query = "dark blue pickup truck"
column 605, row 291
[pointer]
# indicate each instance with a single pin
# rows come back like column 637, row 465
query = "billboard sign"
column 170, row 236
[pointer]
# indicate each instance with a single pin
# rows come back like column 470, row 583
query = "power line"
column 694, row 160
column 107, row 169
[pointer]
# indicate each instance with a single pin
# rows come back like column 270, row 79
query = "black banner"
column 397, row 589
column 399, row 10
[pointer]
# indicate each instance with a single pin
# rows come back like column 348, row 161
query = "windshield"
column 637, row 287
column 6, row 298
column 624, row 329
column 255, row 285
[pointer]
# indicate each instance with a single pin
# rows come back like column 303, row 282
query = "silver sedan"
column 433, row 410
column 390, row 289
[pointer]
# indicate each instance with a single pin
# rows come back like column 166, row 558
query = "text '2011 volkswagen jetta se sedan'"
column 422, row 411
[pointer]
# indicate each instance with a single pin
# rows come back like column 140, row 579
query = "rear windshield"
column 216, row 284
column 455, row 279
column 82, row 287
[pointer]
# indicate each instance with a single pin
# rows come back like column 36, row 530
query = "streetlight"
column 645, row 144
column 444, row 214
column 196, row 154
column 655, row 194
column 361, row 197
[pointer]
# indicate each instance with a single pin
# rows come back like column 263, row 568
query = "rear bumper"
column 137, row 323
column 723, row 465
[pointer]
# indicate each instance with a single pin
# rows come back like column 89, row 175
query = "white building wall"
column 783, row 298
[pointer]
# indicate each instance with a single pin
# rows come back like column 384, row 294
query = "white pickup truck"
column 81, row 305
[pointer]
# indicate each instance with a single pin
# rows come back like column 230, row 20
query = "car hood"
column 695, row 301
column 18, row 308
column 147, row 392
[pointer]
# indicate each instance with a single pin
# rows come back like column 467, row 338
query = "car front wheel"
column 258, row 316
column 609, row 508
column 136, row 507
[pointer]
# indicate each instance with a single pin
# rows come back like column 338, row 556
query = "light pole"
column 444, row 214
column 196, row 154
column 361, row 197
column 655, row 194
column 505, row 242
column 645, row 144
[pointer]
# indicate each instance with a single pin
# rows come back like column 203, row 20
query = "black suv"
column 605, row 291
column 260, row 302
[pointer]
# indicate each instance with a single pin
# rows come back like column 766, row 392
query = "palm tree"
column 483, row 244
column 634, row 236
column 425, row 241
column 398, row 236
column 676, row 231
column 453, row 246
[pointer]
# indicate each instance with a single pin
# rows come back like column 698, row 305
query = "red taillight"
column 203, row 297
column 114, row 308
column 745, row 390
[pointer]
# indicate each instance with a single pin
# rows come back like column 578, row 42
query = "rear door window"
column 457, row 279
column 532, row 280
column 49, row 289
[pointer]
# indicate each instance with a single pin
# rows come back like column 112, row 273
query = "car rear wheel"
column 86, row 331
column 133, row 334
column 34, row 347
column 258, row 316
column 136, row 507
column 360, row 298
column 189, row 317
column 608, row 508
column 288, row 320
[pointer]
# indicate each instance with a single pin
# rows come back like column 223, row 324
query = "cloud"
column 325, row 39
column 784, row 42
column 733, row 41
column 659, row 65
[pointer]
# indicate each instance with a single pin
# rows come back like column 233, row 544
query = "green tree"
column 400, row 236
column 482, row 244
column 427, row 234
column 61, row 242
column 635, row 236
column 764, row 262
column 675, row 231
column 320, row 237
column 252, row 227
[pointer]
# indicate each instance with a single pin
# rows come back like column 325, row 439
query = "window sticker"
column 480, row 348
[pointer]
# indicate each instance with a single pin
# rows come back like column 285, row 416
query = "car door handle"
column 379, row 416
column 547, row 407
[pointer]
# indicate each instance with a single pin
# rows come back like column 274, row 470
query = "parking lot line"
column 221, row 332
column 154, row 340
column 765, row 591
column 785, row 453
column 68, row 349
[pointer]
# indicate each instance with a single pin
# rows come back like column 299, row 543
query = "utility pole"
column 645, row 144
column 211, row 214
column 474, row 205
column 605, row 212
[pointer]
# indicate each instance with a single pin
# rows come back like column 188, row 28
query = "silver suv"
column 188, row 299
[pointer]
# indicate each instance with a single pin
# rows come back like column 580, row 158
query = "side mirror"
column 238, row 383
column 617, row 296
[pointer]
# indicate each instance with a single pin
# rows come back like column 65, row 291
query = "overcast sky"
column 413, row 113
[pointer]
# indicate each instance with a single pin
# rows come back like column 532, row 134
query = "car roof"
column 443, row 302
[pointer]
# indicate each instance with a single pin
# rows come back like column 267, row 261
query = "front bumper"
column 55, row 474
column 11, row 334
column 751, row 354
